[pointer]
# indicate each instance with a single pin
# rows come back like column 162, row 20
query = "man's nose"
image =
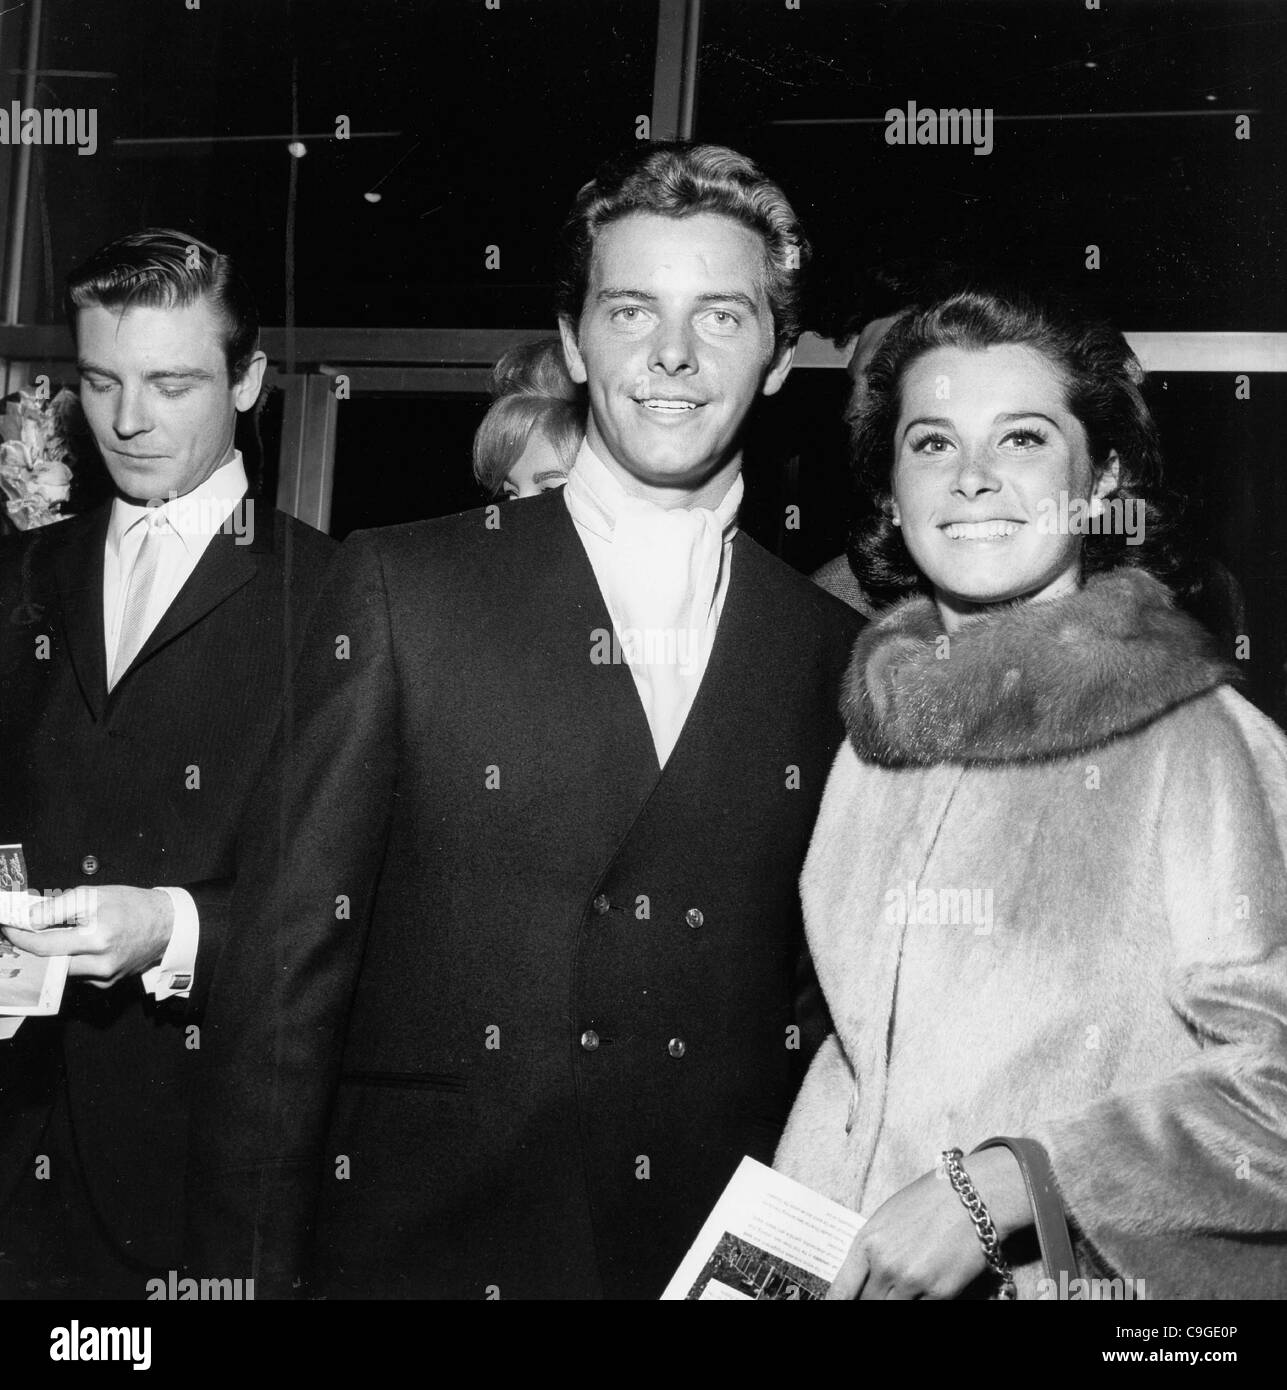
column 673, row 348
column 132, row 415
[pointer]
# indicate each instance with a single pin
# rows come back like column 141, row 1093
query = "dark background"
column 1114, row 127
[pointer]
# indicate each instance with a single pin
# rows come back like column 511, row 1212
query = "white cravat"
column 664, row 574
column 150, row 555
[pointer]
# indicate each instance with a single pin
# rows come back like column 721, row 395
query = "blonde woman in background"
column 529, row 437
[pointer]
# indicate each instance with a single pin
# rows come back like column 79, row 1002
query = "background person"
column 143, row 647
column 882, row 294
column 529, row 438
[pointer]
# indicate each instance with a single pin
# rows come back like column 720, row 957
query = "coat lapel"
column 611, row 688
column 78, row 573
column 225, row 567
column 728, row 708
column 742, row 652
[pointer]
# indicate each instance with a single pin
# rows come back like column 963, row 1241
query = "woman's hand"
column 922, row 1244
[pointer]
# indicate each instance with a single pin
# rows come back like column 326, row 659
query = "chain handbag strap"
column 1049, row 1218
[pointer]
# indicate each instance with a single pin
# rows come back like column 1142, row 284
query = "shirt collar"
column 595, row 497
column 201, row 512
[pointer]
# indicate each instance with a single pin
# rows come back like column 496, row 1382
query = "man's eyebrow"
column 165, row 374
column 714, row 297
column 730, row 297
column 612, row 293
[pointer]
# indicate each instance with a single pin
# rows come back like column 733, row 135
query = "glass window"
column 1113, row 128
column 469, row 128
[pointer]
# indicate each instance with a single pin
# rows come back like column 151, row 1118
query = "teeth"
column 674, row 406
column 980, row 530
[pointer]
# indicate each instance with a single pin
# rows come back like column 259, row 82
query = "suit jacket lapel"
column 614, row 689
column 78, row 573
column 225, row 567
column 754, row 664
column 737, row 660
column 729, row 702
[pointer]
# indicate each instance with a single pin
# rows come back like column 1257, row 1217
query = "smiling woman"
column 1037, row 726
column 985, row 444
column 993, row 408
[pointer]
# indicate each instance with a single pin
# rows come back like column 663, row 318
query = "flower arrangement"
column 35, row 457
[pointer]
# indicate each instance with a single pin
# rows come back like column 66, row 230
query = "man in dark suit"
column 142, row 651
column 509, row 990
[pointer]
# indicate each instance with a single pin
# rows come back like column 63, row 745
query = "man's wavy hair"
column 676, row 179
column 1102, row 380
column 159, row 268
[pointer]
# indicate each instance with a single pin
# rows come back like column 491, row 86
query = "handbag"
column 1049, row 1217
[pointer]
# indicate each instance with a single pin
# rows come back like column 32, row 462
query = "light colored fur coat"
column 1107, row 820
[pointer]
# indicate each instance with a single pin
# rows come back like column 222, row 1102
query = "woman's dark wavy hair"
column 1102, row 380
column 676, row 179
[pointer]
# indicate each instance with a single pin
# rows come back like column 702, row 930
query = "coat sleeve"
column 1184, row 1182
column 308, row 856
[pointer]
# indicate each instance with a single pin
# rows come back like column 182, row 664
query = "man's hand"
column 922, row 1244
column 110, row 933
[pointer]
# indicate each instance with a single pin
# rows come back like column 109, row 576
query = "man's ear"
column 246, row 392
column 778, row 369
column 571, row 352
column 1106, row 483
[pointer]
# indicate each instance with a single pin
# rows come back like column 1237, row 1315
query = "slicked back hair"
column 159, row 268
column 676, row 179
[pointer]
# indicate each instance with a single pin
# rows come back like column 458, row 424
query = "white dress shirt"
column 664, row 574
column 184, row 526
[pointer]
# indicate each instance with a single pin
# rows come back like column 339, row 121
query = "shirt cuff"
column 179, row 963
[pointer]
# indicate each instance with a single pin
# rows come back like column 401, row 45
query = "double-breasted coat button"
column 589, row 1040
column 89, row 865
column 601, row 904
column 694, row 917
column 676, row 1047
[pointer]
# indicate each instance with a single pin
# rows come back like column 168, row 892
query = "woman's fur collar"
column 1028, row 681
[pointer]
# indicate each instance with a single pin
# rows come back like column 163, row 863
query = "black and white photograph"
column 591, row 590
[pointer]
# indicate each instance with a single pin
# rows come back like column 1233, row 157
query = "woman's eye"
column 1026, row 439
column 931, row 444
